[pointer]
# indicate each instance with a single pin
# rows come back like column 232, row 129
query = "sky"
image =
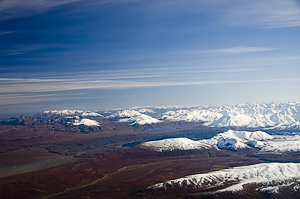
column 97, row 55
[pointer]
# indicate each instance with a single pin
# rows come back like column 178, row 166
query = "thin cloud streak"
column 6, row 33
column 101, row 84
column 267, row 13
column 10, row 9
column 147, row 74
column 10, row 99
column 240, row 49
column 23, row 99
column 22, row 90
column 23, row 49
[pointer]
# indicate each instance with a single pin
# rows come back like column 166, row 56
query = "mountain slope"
column 265, row 175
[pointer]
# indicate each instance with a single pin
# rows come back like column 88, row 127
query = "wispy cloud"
column 18, row 8
column 22, row 49
column 54, row 85
column 267, row 13
column 23, row 98
column 6, row 33
column 240, row 49
column 57, row 87
column 18, row 50
column 25, row 93
column 9, row 99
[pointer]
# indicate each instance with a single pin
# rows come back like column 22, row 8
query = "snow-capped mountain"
column 266, row 116
column 175, row 144
column 64, row 120
column 72, row 113
column 233, row 140
column 272, row 115
column 281, row 116
column 265, row 175
column 87, row 122
column 230, row 140
column 74, row 117
column 135, row 117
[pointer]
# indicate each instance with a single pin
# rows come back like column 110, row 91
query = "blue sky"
column 95, row 55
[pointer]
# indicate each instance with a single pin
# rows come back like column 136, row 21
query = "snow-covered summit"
column 174, row 144
column 247, row 135
column 267, row 173
column 135, row 117
column 86, row 122
column 234, row 140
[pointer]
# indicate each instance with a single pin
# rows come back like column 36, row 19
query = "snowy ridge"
column 72, row 112
column 282, row 116
column 64, row 112
column 230, row 140
column 89, row 113
column 193, row 115
column 136, row 118
column 265, row 115
column 75, row 117
column 233, row 140
column 174, row 144
column 86, row 122
column 266, row 173
column 145, row 110
column 272, row 115
column 280, row 144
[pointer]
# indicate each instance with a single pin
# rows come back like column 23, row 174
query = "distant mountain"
column 135, row 117
column 268, row 116
column 71, row 113
column 62, row 120
column 272, row 115
column 281, row 116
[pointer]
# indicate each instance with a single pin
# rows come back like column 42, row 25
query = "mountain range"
column 278, row 116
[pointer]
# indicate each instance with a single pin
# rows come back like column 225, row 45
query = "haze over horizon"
column 75, row 54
